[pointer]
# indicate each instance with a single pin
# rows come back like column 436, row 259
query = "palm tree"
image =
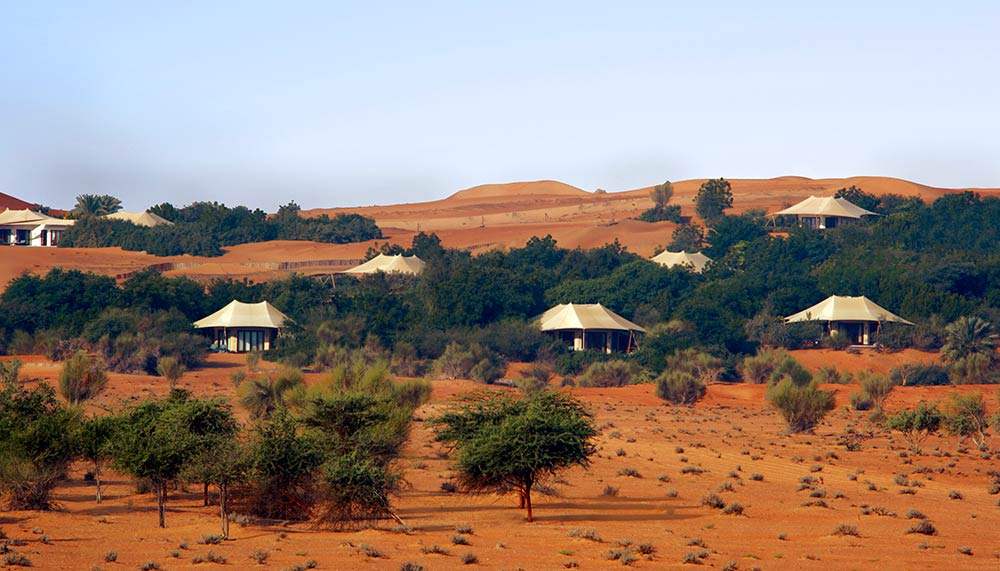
column 95, row 205
column 968, row 336
column 263, row 395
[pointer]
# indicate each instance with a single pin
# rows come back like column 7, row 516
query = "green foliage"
column 90, row 205
column 802, row 406
column 501, row 443
column 704, row 367
column 356, row 489
column 93, row 444
column 82, row 378
column 10, row 371
column 454, row 363
column 282, row 469
column 966, row 337
column 679, row 387
column 915, row 425
column 607, row 374
column 687, row 238
column 262, row 395
column 713, row 198
column 36, row 444
column 661, row 210
column 758, row 369
column 919, row 375
column 725, row 232
column 791, row 369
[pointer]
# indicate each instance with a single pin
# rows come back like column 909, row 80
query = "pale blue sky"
column 340, row 104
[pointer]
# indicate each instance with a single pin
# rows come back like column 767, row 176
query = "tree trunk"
column 97, row 478
column 205, row 495
column 224, row 508
column 161, row 499
column 527, row 500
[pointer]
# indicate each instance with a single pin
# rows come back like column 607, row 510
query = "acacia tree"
column 502, row 443
column 713, row 198
column 967, row 416
column 156, row 439
column 916, row 425
column 93, row 442
column 226, row 463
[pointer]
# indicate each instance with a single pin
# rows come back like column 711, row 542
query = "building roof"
column 29, row 218
column 844, row 308
column 239, row 314
column 14, row 203
column 825, row 206
column 584, row 316
column 147, row 219
column 695, row 261
column 388, row 264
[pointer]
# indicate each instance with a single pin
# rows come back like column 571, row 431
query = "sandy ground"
column 477, row 219
column 736, row 441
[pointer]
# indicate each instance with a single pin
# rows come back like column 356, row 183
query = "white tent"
column 824, row 212
column 694, row 261
column 389, row 264
column 147, row 219
column 590, row 326
column 240, row 327
column 852, row 316
column 28, row 228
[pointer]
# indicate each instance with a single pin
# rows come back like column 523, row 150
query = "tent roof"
column 584, row 316
column 28, row 217
column 239, row 314
column 382, row 263
column 147, row 219
column 843, row 308
column 696, row 261
column 825, row 206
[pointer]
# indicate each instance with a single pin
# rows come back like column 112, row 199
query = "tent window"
column 5, row 236
column 22, row 238
column 249, row 340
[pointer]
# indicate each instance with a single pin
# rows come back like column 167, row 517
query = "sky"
column 350, row 104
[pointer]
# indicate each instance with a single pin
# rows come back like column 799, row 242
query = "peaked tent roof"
column 696, row 261
column 825, row 206
column 844, row 308
column 147, row 219
column 584, row 316
column 239, row 314
column 382, row 263
column 29, row 217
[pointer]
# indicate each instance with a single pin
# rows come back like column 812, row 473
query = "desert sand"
column 738, row 445
column 476, row 219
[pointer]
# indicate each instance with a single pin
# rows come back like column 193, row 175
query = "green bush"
column 757, row 369
column 679, row 387
column 876, row 387
column 606, row 374
column 919, row 375
column 81, row 378
column 916, row 425
column 802, row 406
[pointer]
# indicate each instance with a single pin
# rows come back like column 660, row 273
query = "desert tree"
column 263, row 395
column 93, row 443
column 501, row 443
column 95, row 205
column 155, row 440
column 968, row 416
column 970, row 349
column 916, row 425
column 713, row 198
column 224, row 462
column 82, row 378
column 283, row 465
column 687, row 238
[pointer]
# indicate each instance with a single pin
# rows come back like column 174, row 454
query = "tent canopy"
column 844, row 308
column 695, row 261
column 13, row 217
column 584, row 316
column 147, row 219
column 239, row 314
column 388, row 264
column 825, row 206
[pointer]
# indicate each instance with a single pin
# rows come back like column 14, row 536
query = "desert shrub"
column 281, row 475
column 830, row 375
column 703, row 366
column 846, row 529
column 455, row 363
column 861, row 400
column 919, row 374
column 713, row 501
column 81, row 378
column 922, row 527
column 915, row 425
column 791, row 369
column 606, row 374
column 489, row 366
column 757, row 369
column 171, row 369
column 836, row 341
column 355, row 491
column 36, row 444
column 679, row 387
column 895, row 336
column 405, row 361
column 877, row 387
column 10, row 371
column 802, row 406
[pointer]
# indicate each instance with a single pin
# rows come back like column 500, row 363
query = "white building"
column 27, row 228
